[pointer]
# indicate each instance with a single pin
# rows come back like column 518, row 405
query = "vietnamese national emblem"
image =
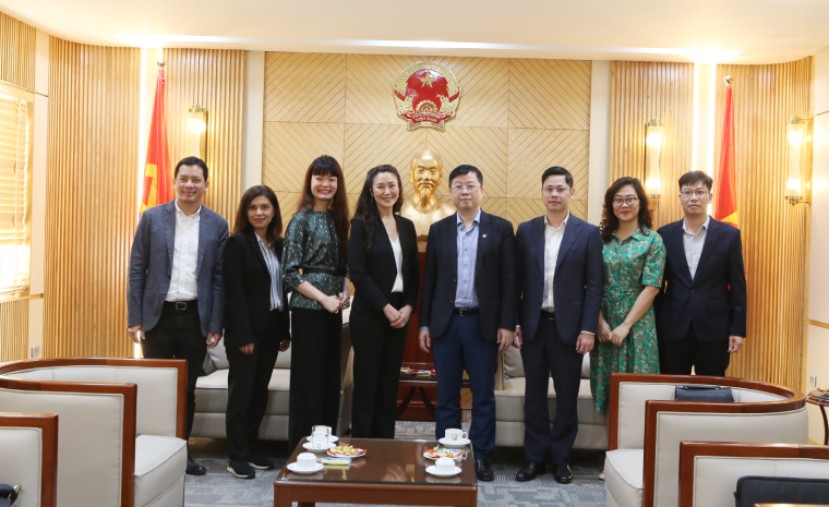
column 427, row 95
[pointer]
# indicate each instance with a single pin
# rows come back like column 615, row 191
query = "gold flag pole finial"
column 160, row 65
column 727, row 80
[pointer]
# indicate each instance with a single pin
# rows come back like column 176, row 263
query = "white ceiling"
column 748, row 31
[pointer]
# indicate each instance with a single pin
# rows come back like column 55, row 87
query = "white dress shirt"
column 552, row 244
column 693, row 243
column 183, row 285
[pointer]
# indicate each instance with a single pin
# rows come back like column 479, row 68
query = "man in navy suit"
column 467, row 309
column 560, row 275
column 174, row 294
column 702, row 309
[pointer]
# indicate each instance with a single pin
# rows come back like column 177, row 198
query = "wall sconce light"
column 799, row 182
column 653, row 155
column 197, row 131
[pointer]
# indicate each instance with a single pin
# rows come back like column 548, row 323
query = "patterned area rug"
column 220, row 488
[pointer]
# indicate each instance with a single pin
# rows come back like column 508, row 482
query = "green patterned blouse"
column 312, row 246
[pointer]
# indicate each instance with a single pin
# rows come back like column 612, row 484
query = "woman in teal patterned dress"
column 314, row 268
column 634, row 260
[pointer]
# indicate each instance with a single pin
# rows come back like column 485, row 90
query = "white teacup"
column 306, row 460
column 445, row 465
column 455, row 434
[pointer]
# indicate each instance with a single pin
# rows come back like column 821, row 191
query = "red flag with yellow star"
column 725, row 191
column 158, row 187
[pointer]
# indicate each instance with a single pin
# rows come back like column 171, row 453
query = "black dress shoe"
column 483, row 470
column 529, row 471
column 194, row 468
column 562, row 474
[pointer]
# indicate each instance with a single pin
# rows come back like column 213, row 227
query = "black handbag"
column 702, row 392
column 755, row 489
column 8, row 494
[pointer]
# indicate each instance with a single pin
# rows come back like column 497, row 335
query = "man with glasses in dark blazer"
column 701, row 312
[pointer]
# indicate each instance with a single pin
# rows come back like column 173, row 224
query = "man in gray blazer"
column 560, row 275
column 174, row 294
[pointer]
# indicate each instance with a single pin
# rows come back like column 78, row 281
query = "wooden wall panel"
column 639, row 92
column 17, row 53
column 515, row 118
column 774, row 232
column 14, row 330
column 214, row 79
column 91, row 194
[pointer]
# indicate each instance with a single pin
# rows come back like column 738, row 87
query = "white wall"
column 817, row 366
column 39, row 161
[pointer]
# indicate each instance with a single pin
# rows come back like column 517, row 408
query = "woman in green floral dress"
column 634, row 260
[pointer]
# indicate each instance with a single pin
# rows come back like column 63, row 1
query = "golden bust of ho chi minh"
column 425, row 208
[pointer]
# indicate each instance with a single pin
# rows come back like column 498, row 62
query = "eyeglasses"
column 630, row 201
column 699, row 194
column 469, row 187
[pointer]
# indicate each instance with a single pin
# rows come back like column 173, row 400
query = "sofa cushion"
column 218, row 357
column 514, row 366
column 623, row 476
column 509, row 402
column 211, row 392
column 160, row 463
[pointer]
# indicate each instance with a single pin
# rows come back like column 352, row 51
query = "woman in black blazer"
column 384, row 269
column 256, row 322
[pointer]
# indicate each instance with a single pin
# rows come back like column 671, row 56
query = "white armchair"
column 121, row 426
column 29, row 456
column 646, row 426
column 709, row 470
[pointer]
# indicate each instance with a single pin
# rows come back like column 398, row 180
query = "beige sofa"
column 509, row 405
column 120, row 426
column 647, row 426
column 211, row 394
column 709, row 471
column 29, row 456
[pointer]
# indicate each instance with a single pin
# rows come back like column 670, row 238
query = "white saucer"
column 311, row 447
column 295, row 468
column 447, row 442
column 331, row 438
column 433, row 470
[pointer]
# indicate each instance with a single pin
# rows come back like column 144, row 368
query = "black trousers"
column 178, row 336
column 545, row 355
column 315, row 372
column 247, row 395
column 378, row 353
column 707, row 357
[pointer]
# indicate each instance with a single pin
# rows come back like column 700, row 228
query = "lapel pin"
column 484, row 235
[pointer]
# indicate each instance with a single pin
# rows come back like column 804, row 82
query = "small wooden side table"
column 822, row 403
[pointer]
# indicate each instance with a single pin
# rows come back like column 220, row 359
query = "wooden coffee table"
column 392, row 472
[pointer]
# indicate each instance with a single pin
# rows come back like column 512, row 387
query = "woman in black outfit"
column 256, row 322
column 384, row 269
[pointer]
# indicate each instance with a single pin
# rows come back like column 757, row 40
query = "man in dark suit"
column 560, row 275
column 701, row 316
column 174, row 294
column 467, row 309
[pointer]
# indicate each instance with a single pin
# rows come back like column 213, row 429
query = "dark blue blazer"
column 577, row 283
column 151, row 266
column 495, row 275
column 714, row 301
